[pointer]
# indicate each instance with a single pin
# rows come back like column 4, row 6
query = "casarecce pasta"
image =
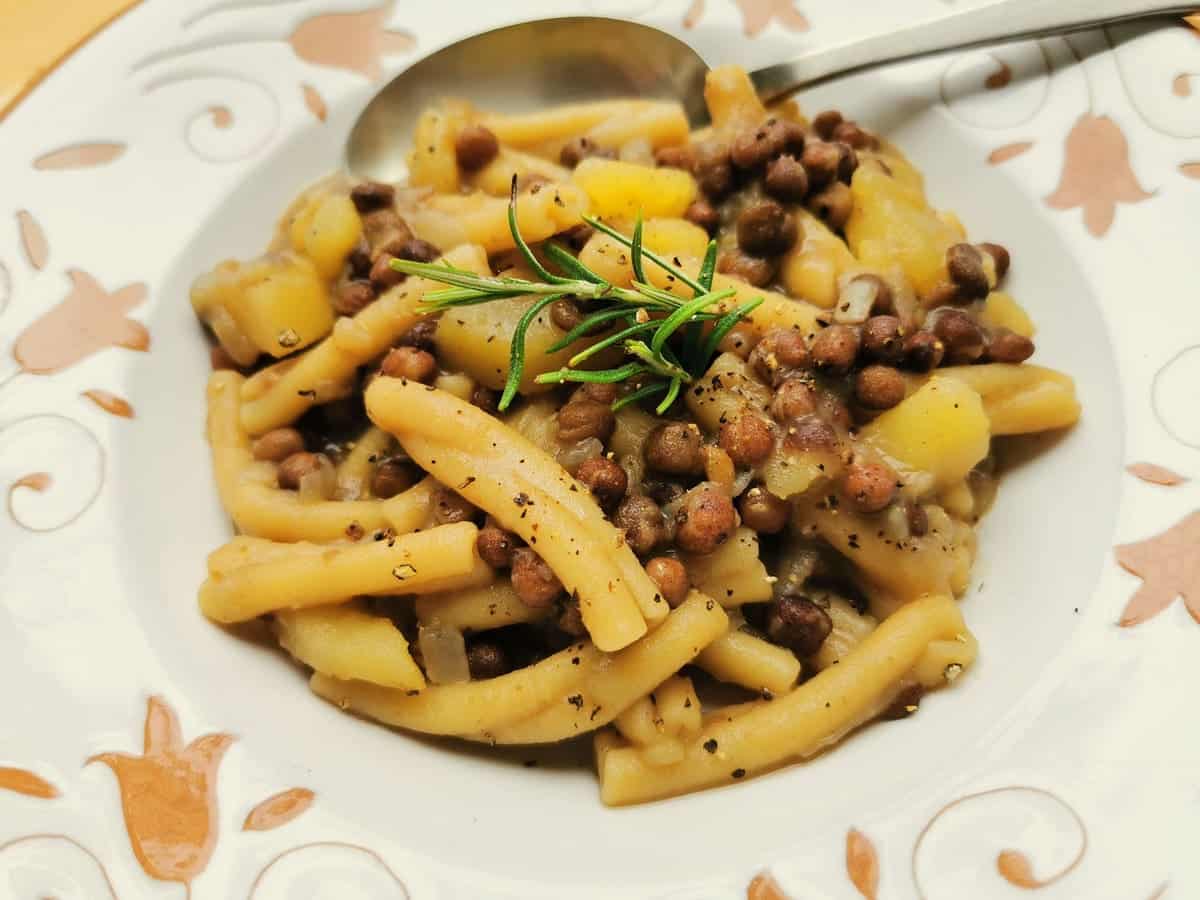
column 597, row 428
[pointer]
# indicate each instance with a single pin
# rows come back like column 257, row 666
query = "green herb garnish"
column 645, row 317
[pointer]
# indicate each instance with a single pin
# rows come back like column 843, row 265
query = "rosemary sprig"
column 641, row 311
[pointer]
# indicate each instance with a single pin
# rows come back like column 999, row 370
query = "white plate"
column 174, row 139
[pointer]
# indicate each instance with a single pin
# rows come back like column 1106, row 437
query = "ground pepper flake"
column 576, row 700
column 739, row 773
column 404, row 571
column 711, row 745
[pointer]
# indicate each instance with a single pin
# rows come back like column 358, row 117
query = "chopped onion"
column 854, row 302
column 637, row 150
column 895, row 523
column 571, row 458
column 444, row 653
column 319, row 485
column 742, row 481
column 796, row 565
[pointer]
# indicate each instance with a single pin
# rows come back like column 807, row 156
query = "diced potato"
column 1002, row 311
column 449, row 220
column 811, row 269
column 536, row 421
column 1020, row 399
column 496, row 177
column 788, row 473
column 347, row 643
column 732, row 100
column 477, row 340
column 633, row 426
column 456, row 383
column 892, row 223
column 432, row 161
column 724, row 391
column 325, row 231
column 941, row 429
column 902, row 170
column 732, row 574
column 623, row 189
column 276, row 304
column 609, row 258
column 674, row 237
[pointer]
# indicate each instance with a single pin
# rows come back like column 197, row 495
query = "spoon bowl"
column 524, row 68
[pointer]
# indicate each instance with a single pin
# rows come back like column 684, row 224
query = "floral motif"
column 756, row 15
column 33, row 240
column 1008, row 151
column 1169, row 566
column 80, row 156
column 110, row 403
column 315, row 102
column 88, row 320
column 22, row 781
column 1152, row 474
column 862, row 864
column 351, row 41
column 1096, row 173
column 169, row 796
column 279, row 809
column 763, row 886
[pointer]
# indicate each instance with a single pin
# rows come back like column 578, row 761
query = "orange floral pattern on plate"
column 1096, row 173
column 1169, row 566
column 22, row 781
column 279, row 809
column 169, row 796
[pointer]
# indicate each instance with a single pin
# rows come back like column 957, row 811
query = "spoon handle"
column 1007, row 20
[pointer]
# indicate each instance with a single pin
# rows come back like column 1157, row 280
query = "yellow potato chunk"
column 325, row 231
column 732, row 100
column 432, row 161
column 275, row 304
column 449, row 220
column 811, row 269
column 892, row 224
column 724, row 391
column 1020, row 399
column 732, row 574
column 1002, row 311
column 787, row 472
column 941, row 429
column 348, row 643
column 623, row 189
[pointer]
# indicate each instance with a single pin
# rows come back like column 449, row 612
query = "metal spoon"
column 539, row 64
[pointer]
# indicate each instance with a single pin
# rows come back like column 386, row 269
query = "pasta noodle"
column 591, row 405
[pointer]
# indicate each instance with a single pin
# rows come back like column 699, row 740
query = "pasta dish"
column 597, row 428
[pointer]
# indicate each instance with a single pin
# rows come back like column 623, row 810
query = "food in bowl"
column 600, row 428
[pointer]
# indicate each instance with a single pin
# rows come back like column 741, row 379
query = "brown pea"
column 565, row 314
column 965, row 265
column 780, row 352
column 534, row 582
column 923, row 351
column 359, row 260
column 1007, row 346
column 748, row 439
column 296, row 466
column 833, row 205
column 740, row 340
column 487, row 659
column 754, row 270
column 883, row 339
column 372, row 195
column 869, row 487
column 705, row 520
column 798, row 624
column 825, row 122
column 278, row 444
column 834, row 349
column 762, row 511
column 786, row 179
column 918, row 520
column 449, row 508
column 702, row 213
column 833, row 410
column 820, row 161
column 674, row 447
column 583, row 418
column 353, row 297
column 409, row 363
column 847, row 162
column 495, row 545
column 713, row 169
column 391, row 476
column 578, row 149
column 852, row 133
column 597, row 392
column 605, row 479
column 961, row 335
column 766, row 229
column 418, row 250
column 795, row 397
column 754, row 147
column 671, row 578
column 677, row 157
column 420, row 335
column 811, row 434
column 475, row 147
column 879, row 387
column 383, row 276
column 570, row 620
column 383, row 226
column 1000, row 257
column 486, row 399
column 641, row 520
